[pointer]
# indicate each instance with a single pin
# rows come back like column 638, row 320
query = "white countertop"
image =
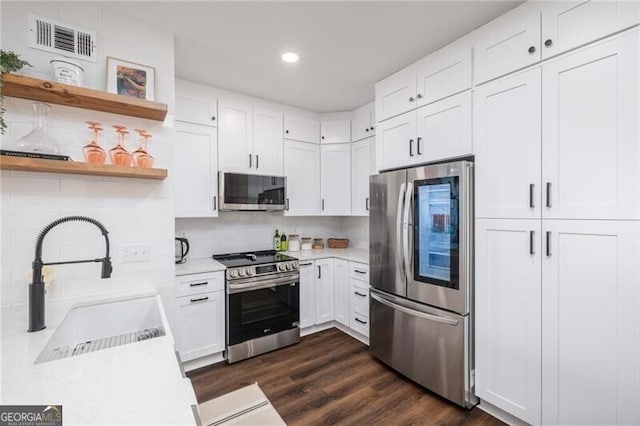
column 350, row 254
column 138, row 383
column 197, row 266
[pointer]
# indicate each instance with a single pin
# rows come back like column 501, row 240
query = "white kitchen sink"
column 105, row 325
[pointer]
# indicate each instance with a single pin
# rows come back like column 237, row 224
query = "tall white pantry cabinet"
column 558, row 237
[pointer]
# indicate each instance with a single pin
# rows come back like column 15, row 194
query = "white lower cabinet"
column 341, row 291
column 200, row 315
column 508, row 315
column 591, row 322
column 307, row 294
column 324, row 290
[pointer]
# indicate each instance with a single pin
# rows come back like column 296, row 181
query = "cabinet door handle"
column 358, row 271
column 286, row 204
column 198, row 284
column 323, row 204
column 360, row 321
column 548, row 243
column 532, row 247
column 306, row 264
column 410, row 147
column 319, row 272
column 215, row 203
column 257, row 161
column 531, row 200
column 201, row 299
column 250, row 161
column 357, row 293
column 532, row 49
column 548, row 194
column 366, row 203
column 548, row 42
column 418, row 145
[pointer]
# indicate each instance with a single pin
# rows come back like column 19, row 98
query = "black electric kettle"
column 182, row 248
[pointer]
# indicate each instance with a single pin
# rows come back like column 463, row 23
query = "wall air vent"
column 68, row 40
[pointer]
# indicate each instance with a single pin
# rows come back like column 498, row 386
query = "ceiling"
column 344, row 47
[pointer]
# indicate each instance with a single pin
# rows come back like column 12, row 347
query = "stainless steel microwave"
column 240, row 191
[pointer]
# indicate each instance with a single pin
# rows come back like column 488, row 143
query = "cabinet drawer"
column 199, row 283
column 360, row 323
column 359, row 271
column 359, row 297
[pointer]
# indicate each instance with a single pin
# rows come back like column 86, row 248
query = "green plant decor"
column 9, row 62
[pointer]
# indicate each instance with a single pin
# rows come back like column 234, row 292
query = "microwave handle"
column 250, row 162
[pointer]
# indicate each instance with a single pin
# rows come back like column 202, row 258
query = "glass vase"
column 38, row 140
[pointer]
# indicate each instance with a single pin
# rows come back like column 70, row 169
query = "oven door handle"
column 241, row 288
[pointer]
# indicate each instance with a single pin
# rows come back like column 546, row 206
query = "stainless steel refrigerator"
column 421, row 271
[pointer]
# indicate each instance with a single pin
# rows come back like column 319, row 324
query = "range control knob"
column 281, row 267
column 233, row 273
column 295, row 266
column 241, row 272
column 250, row 271
column 289, row 266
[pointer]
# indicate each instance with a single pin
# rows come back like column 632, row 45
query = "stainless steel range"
column 263, row 302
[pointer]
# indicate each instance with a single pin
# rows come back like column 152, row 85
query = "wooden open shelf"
column 19, row 86
column 74, row 168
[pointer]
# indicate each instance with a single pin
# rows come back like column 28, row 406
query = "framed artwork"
column 131, row 79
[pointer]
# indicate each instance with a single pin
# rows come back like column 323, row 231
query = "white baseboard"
column 334, row 324
column 204, row 361
column 352, row 333
column 500, row 414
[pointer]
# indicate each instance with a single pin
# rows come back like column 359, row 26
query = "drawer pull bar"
column 358, row 271
column 201, row 299
column 357, row 293
column 360, row 321
column 198, row 284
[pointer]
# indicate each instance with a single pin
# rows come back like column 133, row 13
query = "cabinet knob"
column 419, row 96
column 371, row 128
column 366, row 130
column 411, row 99
column 322, row 137
column 213, row 118
column 532, row 49
column 548, row 42
column 286, row 131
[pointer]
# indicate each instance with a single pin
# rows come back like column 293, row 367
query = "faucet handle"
column 107, row 268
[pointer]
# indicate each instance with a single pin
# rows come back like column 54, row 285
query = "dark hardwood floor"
column 330, row 378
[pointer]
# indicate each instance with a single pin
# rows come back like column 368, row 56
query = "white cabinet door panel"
column 396, row 142
column 335, row 178
column 302, row 169
column 361, row 169
column 444, row 129
column 396, row 94
column 267, row 142
column 194, row 339
column 508, row 43
column 590, row 132
column 307, row 294
column 195, row 170
column 508, row 315
column 445, row 72
column 591, row 323
column 235, row 144
column 324, row 290
column 341, row 291
column 335, row 131
column 507, row 140
column 197, row 109
column 362, row 123
column 301, row 129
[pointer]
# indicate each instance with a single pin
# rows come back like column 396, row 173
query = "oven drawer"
column 187, row 285
column 359, row 271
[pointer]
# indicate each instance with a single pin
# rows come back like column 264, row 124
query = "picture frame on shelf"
column 131, row 79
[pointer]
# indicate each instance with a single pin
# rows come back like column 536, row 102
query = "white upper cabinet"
column 396, row 94
column 590, row 323
column 590, row 131
column 570, row 24
column 395, row 141
column 507, row 137
column 508, row 43
column 363, row 122
column 341, row 291
column 444, row 129
column 301, row 129
column 335, row 187
column 444, row 73
column 267, row 142
column 195, row 170
column 508, row 338
column 235, row 144
column 362, row 166
column 335, row 131
column 302, row 169
column 195, row 106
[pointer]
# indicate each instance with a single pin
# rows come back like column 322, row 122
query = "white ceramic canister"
column 66, row 71
column 294, row 242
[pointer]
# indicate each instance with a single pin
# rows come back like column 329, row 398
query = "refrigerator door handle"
column 408, row 198
column 399, row 258
column 413, row 312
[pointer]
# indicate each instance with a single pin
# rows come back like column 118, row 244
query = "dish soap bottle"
column 283, row 242
column 276, row 241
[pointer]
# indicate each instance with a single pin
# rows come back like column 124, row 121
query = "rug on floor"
column 245, row 406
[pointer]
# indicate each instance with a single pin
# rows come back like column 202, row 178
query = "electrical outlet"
column 136, row 252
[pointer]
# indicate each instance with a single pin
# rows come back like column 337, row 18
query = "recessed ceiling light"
column 290, row 57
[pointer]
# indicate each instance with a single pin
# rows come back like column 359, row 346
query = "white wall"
column 134, row 211
column 356, row 228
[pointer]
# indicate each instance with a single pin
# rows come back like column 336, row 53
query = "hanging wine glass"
column 141, row 157
column 93, row 152
column 118, row 154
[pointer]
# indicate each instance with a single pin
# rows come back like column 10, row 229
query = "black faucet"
column 36, row 288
